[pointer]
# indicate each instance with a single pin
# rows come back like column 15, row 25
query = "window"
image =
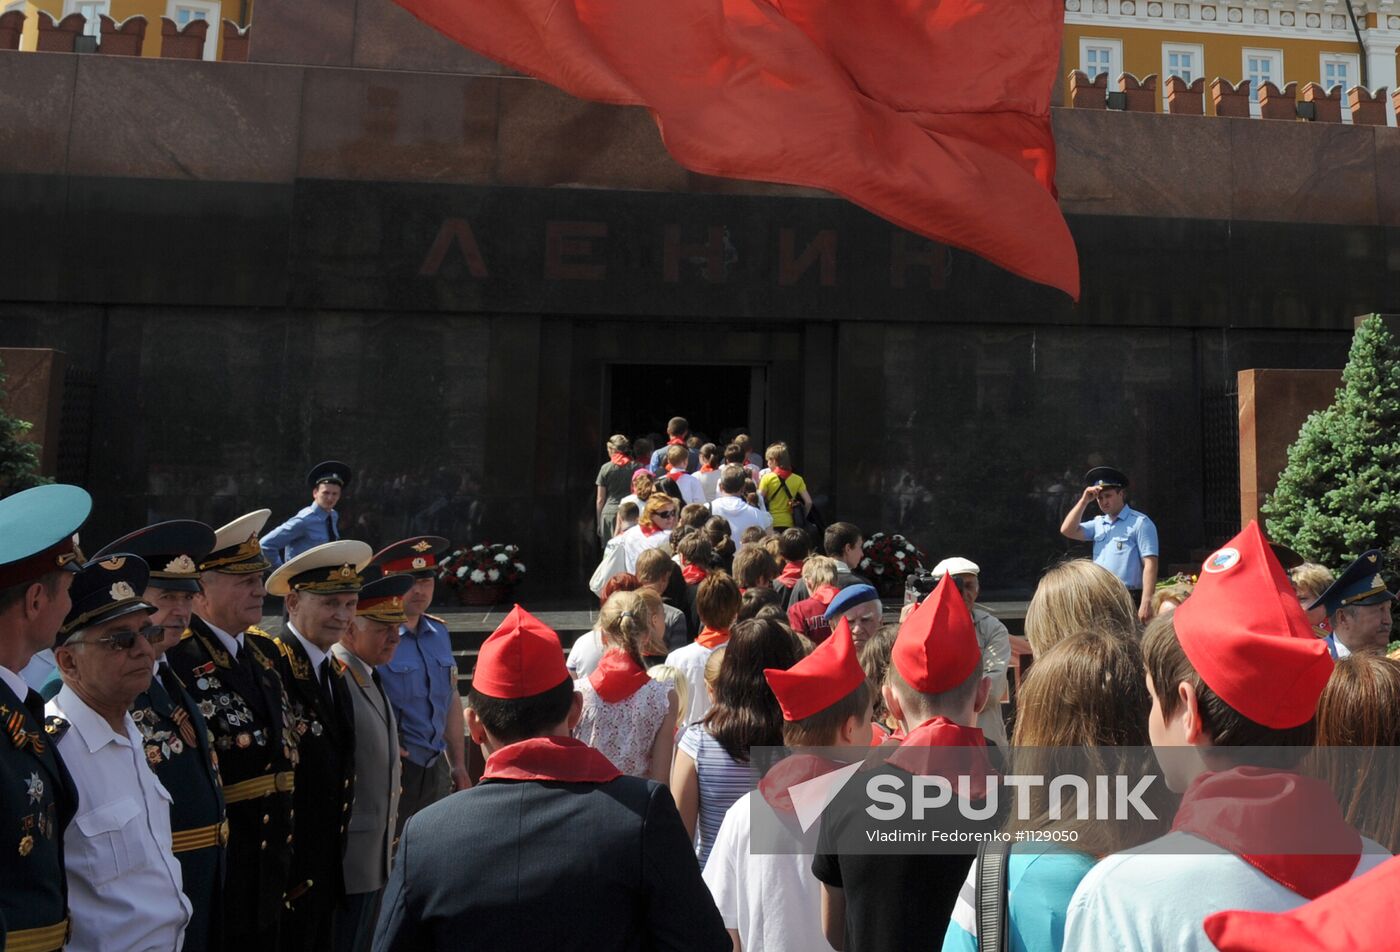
column 1262, row 66
column 1340, row 69
column 183, row 12
column 92, row 10
column 1185, row 60
column 1101, row 56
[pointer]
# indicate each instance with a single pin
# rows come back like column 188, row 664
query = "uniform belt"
column 284, row 782
column 42, row 939
column 203, row 837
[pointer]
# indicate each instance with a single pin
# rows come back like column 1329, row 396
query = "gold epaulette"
column 255, row 630
column 187, row 633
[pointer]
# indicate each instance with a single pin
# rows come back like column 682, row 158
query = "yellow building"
column 1281, row 41
column 180, row 11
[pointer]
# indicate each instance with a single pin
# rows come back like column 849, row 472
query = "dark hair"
column 751, row 535
column 694, row 514
column 745, row 713
column 757, row 599
column 641, row 450
column 709, row 451
column 1168, row 666
column 677, row 425
column 653, row 565
column 732, row 478
column 513, row 719
column 696, row 550
column 875, row 659
column 629, row 511
column 819, row 729
column 14, row 594
column 794, row 545
column 680, row 534
column 753, row 564
column 734, row 453
column 717, row 601
column 840, row 535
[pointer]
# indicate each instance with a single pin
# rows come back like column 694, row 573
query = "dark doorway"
column 719, row 400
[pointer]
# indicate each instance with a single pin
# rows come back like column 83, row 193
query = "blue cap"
column 1360, row 584
column 331, row 471
column 104, row 589
column 39, row 532
column 173, row 550
column 848, row 598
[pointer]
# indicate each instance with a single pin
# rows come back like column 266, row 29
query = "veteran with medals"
column 178, row 745
column 38, row 556
column 321, row 587
column 229, row 667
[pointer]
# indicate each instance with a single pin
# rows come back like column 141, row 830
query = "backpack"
column 992, row 932
column 804, row 518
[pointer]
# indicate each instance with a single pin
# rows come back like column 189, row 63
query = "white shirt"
column 771, row 898
column 709, row 483
column 313, row 654
column 123, row 879
column 584, row 655
column 635, row 542
column 690, row 662
column 740, row 515
column 691, row 490
column 14, row 682
column 1158, row 896
column 233, row 644
column 995, row 642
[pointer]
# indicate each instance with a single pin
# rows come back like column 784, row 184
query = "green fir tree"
column 1339, row 495
column 19, row 458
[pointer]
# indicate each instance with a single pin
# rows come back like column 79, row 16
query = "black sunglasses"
column 123, row 638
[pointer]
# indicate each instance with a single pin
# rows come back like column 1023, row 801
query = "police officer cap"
column 1360, row 584
column 331, row 471
column 236, row 550
column 1106, row 476
column 849, row 597
column 173, row 550
column 382, row 599
column 330, row 569
column 39, row 532
column 105, row 589
column 416, row 556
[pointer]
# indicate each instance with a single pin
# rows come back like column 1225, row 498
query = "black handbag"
column 992, row 861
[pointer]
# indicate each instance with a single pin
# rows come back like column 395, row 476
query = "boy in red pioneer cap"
column 554, row 848
column 883, row 888
column 1235, row 675
column 759, row 870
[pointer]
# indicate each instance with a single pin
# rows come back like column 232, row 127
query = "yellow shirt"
column 779, row 505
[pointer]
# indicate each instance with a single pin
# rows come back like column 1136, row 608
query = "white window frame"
column 1115, row 56
column 14, row 5
column 93, row 27
column 1353, row 65
column 212, row 9
column 1198, row 62
column 1275, row 73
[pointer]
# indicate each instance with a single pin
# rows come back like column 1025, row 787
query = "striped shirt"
column 723, row 781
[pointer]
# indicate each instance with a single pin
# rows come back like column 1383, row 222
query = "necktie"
column 330, row 528
column 35, row 705
column 325, row 673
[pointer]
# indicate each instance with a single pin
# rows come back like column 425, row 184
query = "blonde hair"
column 655, row 608
column 1310, row 578
column 778, row 453
column 655, row 502
column 667, row 674
column 817, row 571
column 619, row 443
column 625, row 623
column 1075, row 596
column 712, row 666
column 1170, row 593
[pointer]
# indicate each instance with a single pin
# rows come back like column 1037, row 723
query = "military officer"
column 315, row 524
column 370, row 642
column 421, row 681
column 321, row 587
column 177, row 741
column 38, row 554
column 1359, row 607
column 230, row 669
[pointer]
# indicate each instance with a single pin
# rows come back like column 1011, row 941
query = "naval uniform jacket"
column 325, row 787
column 245, row 706
column 37, row 802
column 180, row 750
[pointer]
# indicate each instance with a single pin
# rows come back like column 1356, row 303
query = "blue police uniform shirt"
column 306, row 530
column 1122, row 544
column 420, row 684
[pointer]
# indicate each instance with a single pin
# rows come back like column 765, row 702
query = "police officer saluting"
column 229, row 667
column 38, row 556
column 315, row 524
column 321, row 587
column 1125, row 540
column 178, row 745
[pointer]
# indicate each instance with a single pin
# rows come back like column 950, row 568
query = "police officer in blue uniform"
column 38, row 556
column 179, row 747
column 321, row 587
column 230, row 668
column 421, row 682
column 1125, row 540
column 315, row 524
column 1359, row 606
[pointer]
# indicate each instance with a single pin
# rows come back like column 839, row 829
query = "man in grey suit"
column 370, row 641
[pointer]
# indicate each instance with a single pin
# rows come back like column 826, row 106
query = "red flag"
column 933, row 114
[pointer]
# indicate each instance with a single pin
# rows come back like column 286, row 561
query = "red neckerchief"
column 620, row 459
column 676, row 441
column 648, row 530
column 711, row 638
column 790, row 575
column 706, row 468
column 693, row 574
column 550, row 758
column 674, row 475
column 939, row 747
column 1248, row 809
column 780, row 472
column 825, row 594
column 617, row 676
column 879, row 733
column 788, row 773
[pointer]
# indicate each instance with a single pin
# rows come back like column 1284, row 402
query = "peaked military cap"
column 329, row 569
column 1360, row 584
column 105, row 589
column 382, row 599
column 1106, row 476
column 236, row 550
column 173, row 550
column 416, row 556
column 39, row 532
column 331, row 471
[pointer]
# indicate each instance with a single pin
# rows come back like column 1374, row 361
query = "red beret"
column 936, row 649
column 1356, row 915
column 819, row 680
column 522, row 658
column 1248, row 638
